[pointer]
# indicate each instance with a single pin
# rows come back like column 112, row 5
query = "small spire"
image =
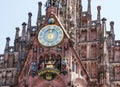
column 80, row 5
column 98, row 14
column 23, row 31
column 6, row 51
column 29, row 27
column 7, row 43
column 112, row 31
column 104, row 26
column 112, row 26
column 16, row 41
column 89, row 7
column 29, row 19
column 17, row 33
column 39, row 12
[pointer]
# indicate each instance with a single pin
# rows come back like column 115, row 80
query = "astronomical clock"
column 50, row 35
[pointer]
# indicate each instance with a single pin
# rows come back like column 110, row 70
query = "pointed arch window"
column 117, row 73
column 85, row 65
column 84, row 51
column 83, row 35
column 94, row 70
column 93, row 34
column 112, row 73
column 58, row 62
column 117, row 55
column 93, row 51
column 77, row 68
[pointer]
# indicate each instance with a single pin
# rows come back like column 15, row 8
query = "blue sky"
column 14, row 12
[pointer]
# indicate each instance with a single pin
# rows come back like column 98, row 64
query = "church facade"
column 66, row 48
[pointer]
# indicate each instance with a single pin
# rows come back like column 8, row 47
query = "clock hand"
column 50, row 31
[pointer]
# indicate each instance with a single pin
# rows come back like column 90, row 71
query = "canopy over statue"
column 52, row 2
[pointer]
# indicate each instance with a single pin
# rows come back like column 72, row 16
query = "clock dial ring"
column 50, row 35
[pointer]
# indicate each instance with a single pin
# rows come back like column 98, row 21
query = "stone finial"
column 39, row 12
column 7, row 43
column 23, row 31
column 98, row 7
column 17, row 29
column 40, row 3
column 112, row 23
column 104, row 27
column 29, row 14
column 6, row 50
column 98, row 14
column 89, row 6
column 17, row 33
column 8, row 39
column 104, row 19
column 24, row 24
column 29, row 20
column 112, row 26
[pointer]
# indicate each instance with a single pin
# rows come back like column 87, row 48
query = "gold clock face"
column 50, row 35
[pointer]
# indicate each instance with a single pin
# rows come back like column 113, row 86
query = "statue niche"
column 51, row 62
column 33, row 68
column 49, row 67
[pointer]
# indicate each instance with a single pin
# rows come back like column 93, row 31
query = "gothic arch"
column 93, row 34
column 83, row 35
column 93, row 51
column 41, row 60
column 53, row 56
column 41, row 57
column 94, row 69
column 84, row 51
column 58, row 56
column 117, row 55
column 117, row 72
column 46, row 57
column 77, row 68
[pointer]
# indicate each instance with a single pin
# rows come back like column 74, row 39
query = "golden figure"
column 50, row 35
column 50, row 64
